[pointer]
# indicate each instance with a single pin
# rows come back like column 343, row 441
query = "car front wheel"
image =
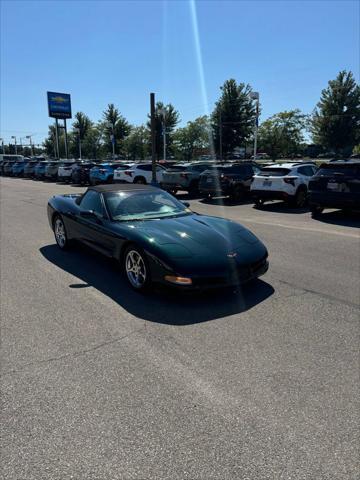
column 259, row 202
column 316, row 210
column 136, row 269
column 60, row 233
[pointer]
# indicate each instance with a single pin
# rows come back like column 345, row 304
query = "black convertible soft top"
column 121, row 187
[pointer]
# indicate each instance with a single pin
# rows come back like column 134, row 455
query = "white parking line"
column 307, row 229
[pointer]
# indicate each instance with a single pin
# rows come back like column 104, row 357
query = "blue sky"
column 120, row 51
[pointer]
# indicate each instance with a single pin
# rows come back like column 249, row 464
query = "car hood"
column 199, row 240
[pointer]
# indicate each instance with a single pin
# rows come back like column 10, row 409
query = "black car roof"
column 122, row 187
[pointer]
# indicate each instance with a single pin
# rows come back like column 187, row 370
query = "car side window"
column 146, row 168
column 92, row 201
column 307, row 171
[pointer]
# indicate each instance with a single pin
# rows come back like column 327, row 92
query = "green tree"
column 137, row 143
column 170, row 117
column 114, row 123
column 336, row 119
column 93, row 146
column 194, row 136
column 234, row 116
column 283, row 134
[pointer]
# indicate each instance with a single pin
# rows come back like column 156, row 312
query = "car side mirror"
column 186, row 204
column 87, row 213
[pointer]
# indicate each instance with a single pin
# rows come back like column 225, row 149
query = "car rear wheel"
column 60, row 233
column 194, row 187
column 300, row 198
column 140, row 180
column 136, row 269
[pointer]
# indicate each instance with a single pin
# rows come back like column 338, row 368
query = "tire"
column 140, row 180
column 194, row 187
column 299, row 201
column 238, row 193
column 60, row 233
column 136, row 269
column 110, row 179
column 316, row 210
column 259, row 202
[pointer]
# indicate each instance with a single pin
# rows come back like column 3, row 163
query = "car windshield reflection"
column 143, row 206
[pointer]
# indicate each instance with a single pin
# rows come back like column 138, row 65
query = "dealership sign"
column 59, row 105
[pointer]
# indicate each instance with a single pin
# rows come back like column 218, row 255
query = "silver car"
column 183, row 177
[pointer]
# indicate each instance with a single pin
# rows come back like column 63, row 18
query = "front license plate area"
column 335, row 187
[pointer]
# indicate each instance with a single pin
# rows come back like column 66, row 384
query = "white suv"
column 283, row 181
column 138, row 173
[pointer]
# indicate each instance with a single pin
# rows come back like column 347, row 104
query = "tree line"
column 333, row 126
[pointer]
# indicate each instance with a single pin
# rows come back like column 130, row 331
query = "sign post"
column 57, row 138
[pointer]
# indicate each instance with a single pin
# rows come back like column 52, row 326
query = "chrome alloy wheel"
column 135, row 269
column 60, row 234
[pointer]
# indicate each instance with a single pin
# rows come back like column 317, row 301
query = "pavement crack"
column 72, row 354
column 320, row 294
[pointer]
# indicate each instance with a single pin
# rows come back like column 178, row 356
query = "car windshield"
column 144, row 205
column 274, row 172
column 177, row 168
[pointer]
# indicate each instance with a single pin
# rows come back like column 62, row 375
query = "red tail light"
column 290, row 180
column 128, row 172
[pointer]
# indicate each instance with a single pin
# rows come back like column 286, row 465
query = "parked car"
column 81, row 172
column 183, row 177
column 39, row 171
column 51, row 169
column 233, row 180
column 139, row 173
column 7, row 168
column 18, row 168
column 65, row 171
column 29, row 168
column 335, row 185
column 4, row 157
column 105, row 172
column 283, row 181
column 182, row 249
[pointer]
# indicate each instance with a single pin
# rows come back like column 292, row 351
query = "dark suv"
column 232, row 180
column 335, row 185
column 80, row 172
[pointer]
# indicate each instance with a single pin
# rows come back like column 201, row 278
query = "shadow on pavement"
column 162, row 305
column 226, row 201
column 339, row 217
column 281, row 207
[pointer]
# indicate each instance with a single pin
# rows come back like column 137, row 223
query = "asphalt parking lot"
column 99, row 382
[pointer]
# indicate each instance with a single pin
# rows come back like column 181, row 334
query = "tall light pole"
column 31, row 147
column 163, row 125
column 14, row 137
column 79, row 133
column 255, row 96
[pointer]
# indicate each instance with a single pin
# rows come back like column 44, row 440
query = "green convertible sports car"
column 158, row 238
